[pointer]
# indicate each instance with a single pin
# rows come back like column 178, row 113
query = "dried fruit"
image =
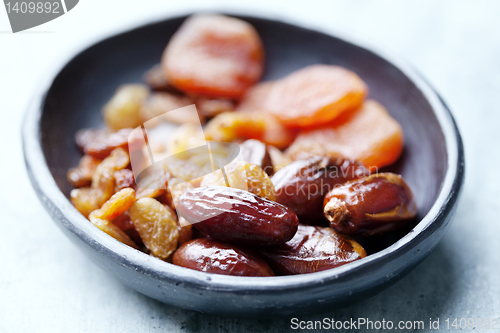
column 214, row 56
column 230, row 126
column 211, row 256
column 237, row 216
column 125, row 223
column 88, row 199
column 156, row 79
column 123, row 110
column 100, row 143
column 123, row 178
column 185, row 137
column 315, row 95
column 157, row 226
column 244, row 176
column 176, row 188
column 278, row 158
column 211, row 107
column 256, row 152
column 371, row 205
column 163, row 102
column 369, row 135
column 312, row 249
column 113, row 230
column 111, row 209
column 153, row 185
column 185, row 231
column 82, row 175
column 118, row 204
column 255, row 98
column 302, row 185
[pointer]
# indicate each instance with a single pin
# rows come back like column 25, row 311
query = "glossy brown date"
column 302, row 185
column 211, row 256
column 238, row 216
column 371, row 205
column 312, row 249
column 255, row 152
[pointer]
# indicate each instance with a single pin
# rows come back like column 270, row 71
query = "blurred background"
column 46, row 283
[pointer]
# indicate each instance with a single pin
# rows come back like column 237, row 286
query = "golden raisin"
column 244, row 176
column 88, row 199
column 82, row 175
column 123, row 110
column 118, row 204
column 157, row 226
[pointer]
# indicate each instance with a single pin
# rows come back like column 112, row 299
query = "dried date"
column 239, row 216
column 312, row 249
column 371, row 205
column 211, row 256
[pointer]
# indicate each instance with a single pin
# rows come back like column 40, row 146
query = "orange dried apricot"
column 370, row 136
column 315, row 95
column 214, row 56
column 255, row 98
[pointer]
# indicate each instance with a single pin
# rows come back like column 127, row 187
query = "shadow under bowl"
column 432, row 164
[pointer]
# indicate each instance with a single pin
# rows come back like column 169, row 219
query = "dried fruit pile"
column 302, row 194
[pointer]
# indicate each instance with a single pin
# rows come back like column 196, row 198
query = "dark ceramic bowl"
column 432, row 164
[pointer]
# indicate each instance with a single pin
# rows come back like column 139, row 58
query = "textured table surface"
column 48, row 285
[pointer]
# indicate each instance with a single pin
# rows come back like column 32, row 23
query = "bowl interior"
column 84, row 85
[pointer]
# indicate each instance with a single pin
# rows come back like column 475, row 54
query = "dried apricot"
column 244, row 176
column 369, row 135
column 255, row 98
column 315, row 95
column 211, row 256
column 230, row 126
column 157, row 226
column 214, row 56
column 123, row 110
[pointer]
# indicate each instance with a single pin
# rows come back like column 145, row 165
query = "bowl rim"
column 61, row 208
